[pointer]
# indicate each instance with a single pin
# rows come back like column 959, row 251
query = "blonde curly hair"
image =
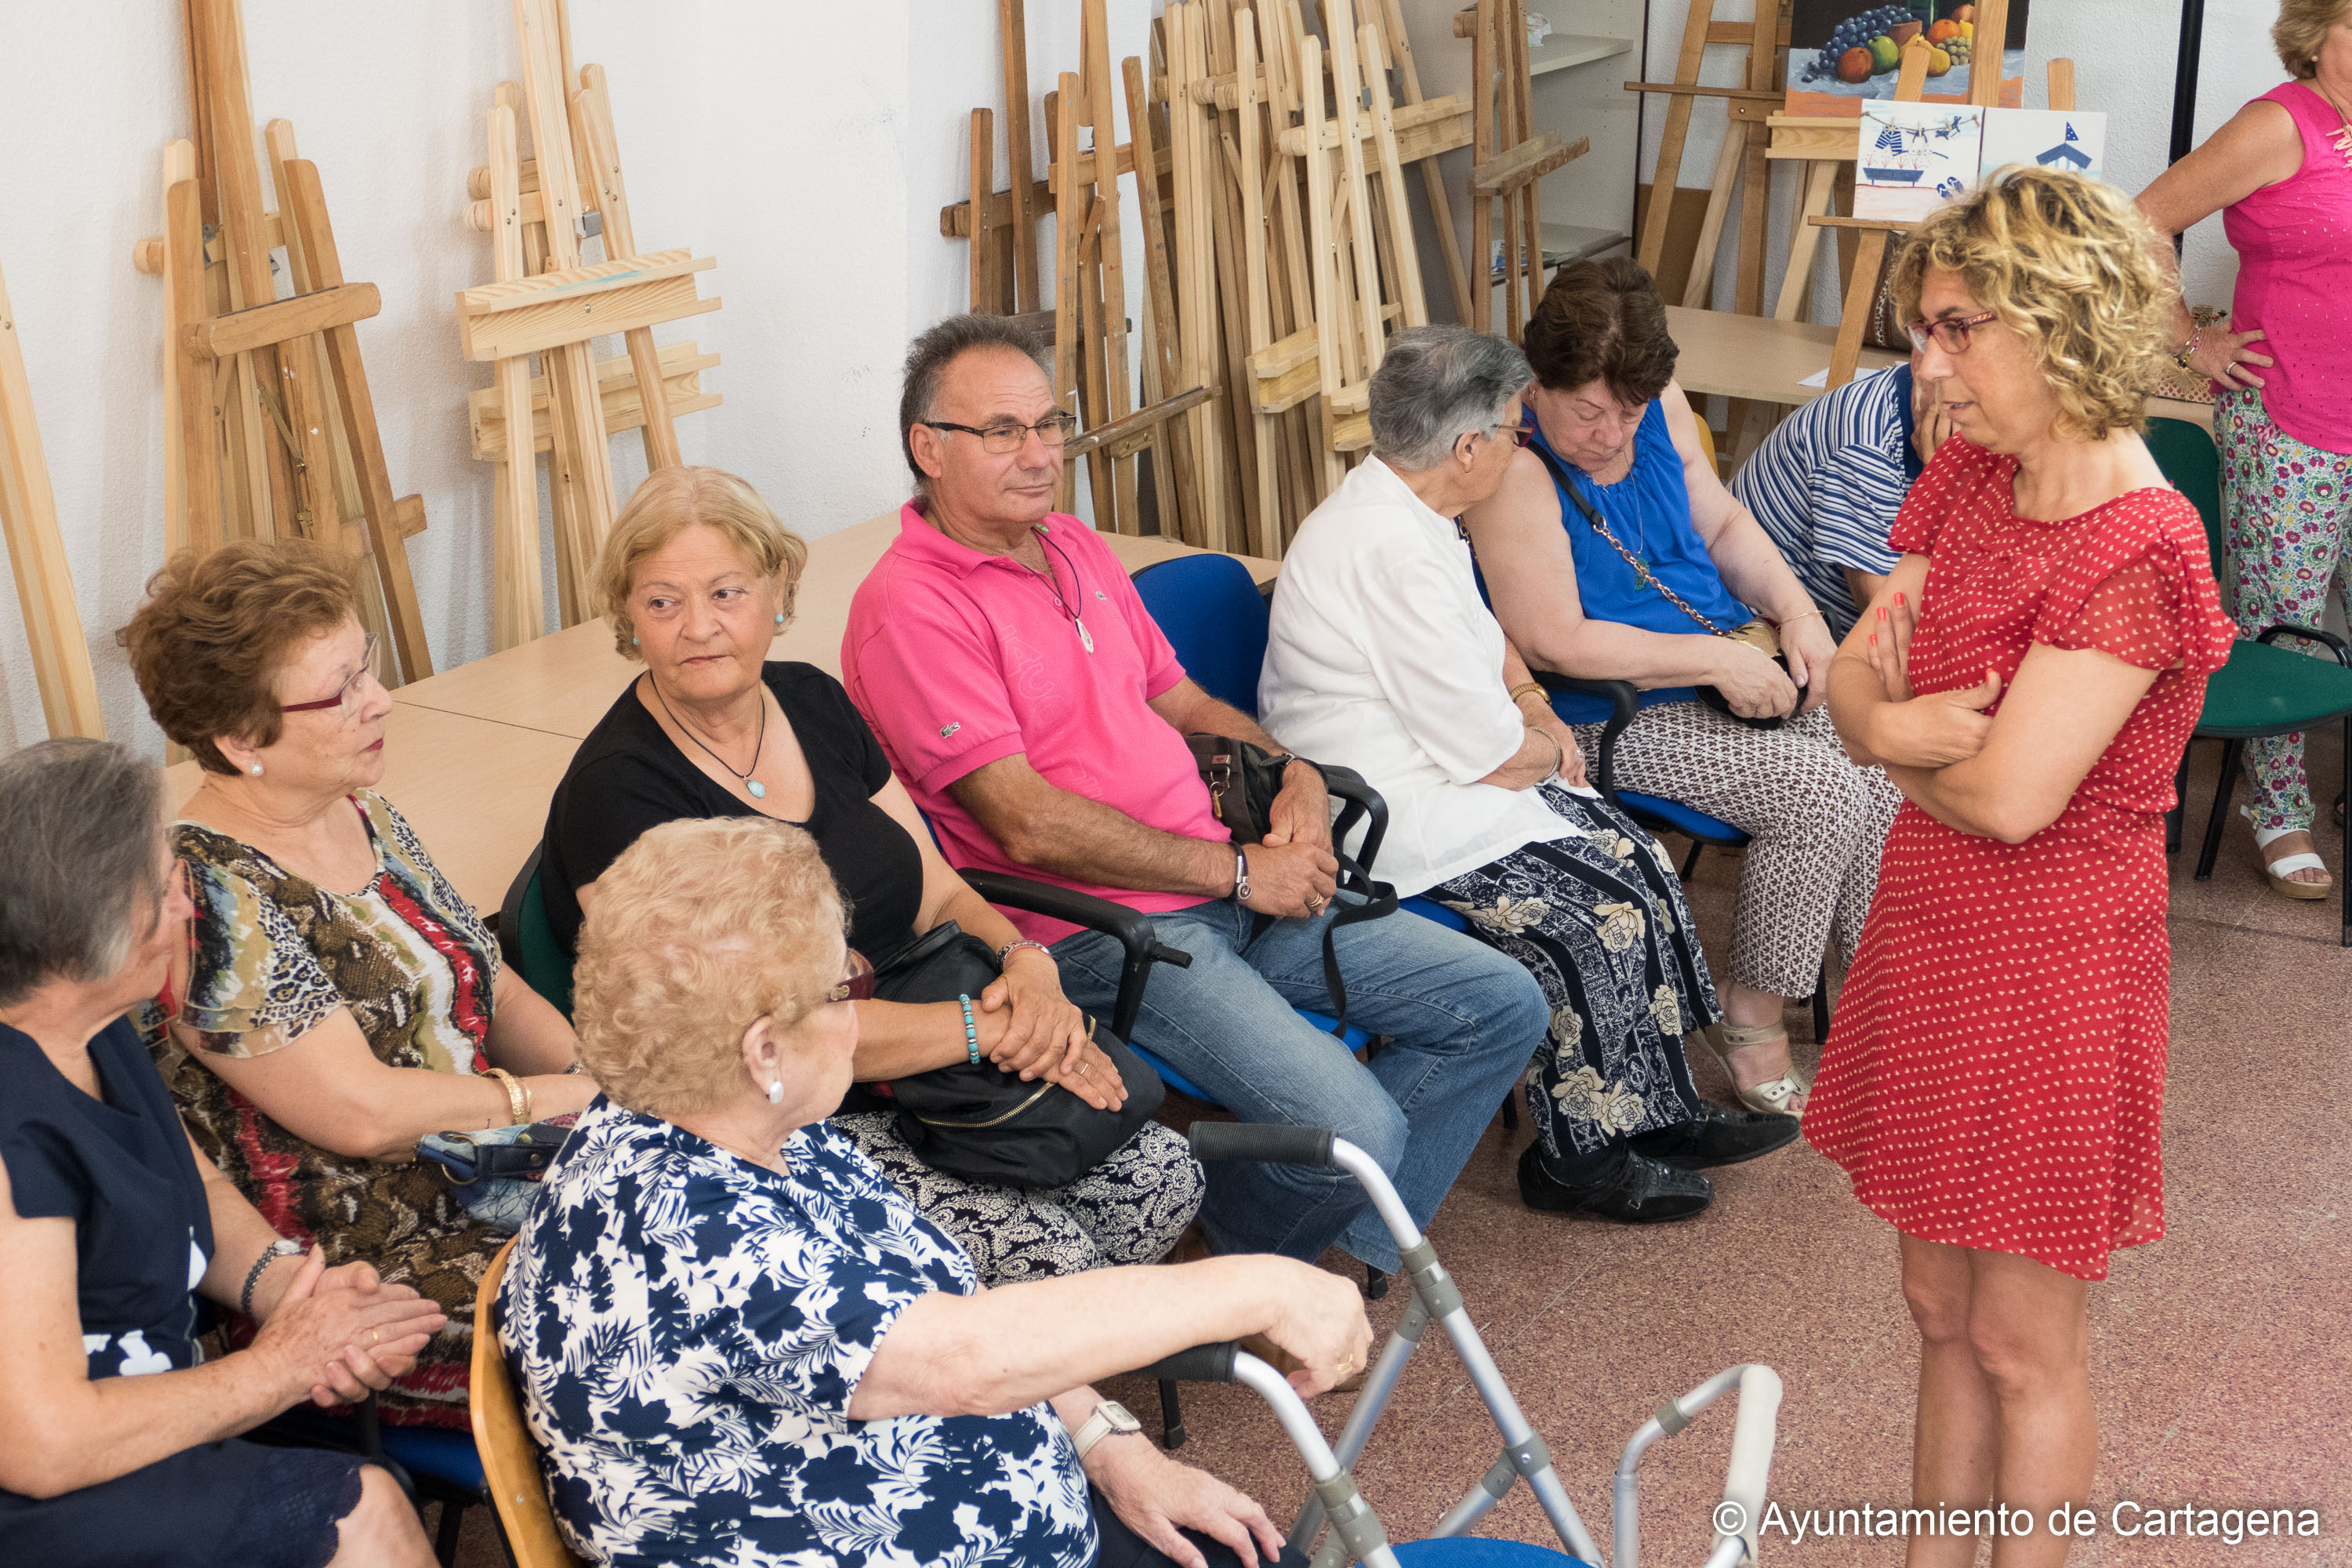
column 2301, row 29
column 2066, row 261
column 700, row 927
column 672, row 500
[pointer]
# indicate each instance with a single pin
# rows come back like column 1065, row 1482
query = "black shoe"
column 1635, row 1191
column 1717, row 1136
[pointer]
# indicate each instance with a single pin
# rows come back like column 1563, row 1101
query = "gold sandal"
column 1782, row 1096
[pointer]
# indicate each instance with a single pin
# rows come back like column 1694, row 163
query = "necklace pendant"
column 759, row 791
column 1085, row 638
column 1642, row 573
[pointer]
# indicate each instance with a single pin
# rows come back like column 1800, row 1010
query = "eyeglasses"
column 1052, row 431
column 857, row 985
column 1952, row 332
column 1520, row 435
column 348, row 696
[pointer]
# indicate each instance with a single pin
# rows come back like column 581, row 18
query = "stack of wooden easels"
column 1279, row 250
column 270, row 429
column 548, row 301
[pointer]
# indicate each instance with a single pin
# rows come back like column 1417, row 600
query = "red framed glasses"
column 348, row 696
column 857, row 985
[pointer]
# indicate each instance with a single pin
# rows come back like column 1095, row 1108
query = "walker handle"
column 1201, row 1363
column 1262, row 1142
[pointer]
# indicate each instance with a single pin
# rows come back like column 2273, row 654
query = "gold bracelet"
column 1809, row 615
column 1536, row 687
column 518, row 1095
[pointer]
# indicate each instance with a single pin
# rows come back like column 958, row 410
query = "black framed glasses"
column 1054, row 430
column 1951, row 333
column 350, row 696
column 857, row 985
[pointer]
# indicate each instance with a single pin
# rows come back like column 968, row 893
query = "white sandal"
column 2279, row 872
column 1782, row 1096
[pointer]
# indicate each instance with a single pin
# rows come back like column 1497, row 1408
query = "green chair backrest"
column 541, row 961
column 2185, row 452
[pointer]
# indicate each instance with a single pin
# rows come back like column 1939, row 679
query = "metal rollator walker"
column 1356, row 1532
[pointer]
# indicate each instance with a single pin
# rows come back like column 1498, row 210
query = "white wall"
column 2123, row 52
column 808, row 145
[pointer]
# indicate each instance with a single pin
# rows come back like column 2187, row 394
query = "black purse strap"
column 1379, row 899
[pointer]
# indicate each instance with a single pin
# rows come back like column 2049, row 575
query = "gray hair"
column 1436, row 385
column 929, row 355
column 77, row 834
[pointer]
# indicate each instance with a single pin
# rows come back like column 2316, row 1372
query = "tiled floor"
column 2220, row 1376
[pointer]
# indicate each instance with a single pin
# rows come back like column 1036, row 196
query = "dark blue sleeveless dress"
column 121, row 1169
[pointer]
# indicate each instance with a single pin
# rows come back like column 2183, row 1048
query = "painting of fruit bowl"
column 1841, row 52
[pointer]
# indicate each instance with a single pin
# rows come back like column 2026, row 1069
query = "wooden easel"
column 548, row 301
column 251, row 448
column 1740, row 162
column 36, row 552
column 1870, row 253
column 1511, row 156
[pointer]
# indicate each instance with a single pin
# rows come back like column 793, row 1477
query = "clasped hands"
column 340, row 1334
column 1027, row 1026
column 1293, row 873
column 1931, row 732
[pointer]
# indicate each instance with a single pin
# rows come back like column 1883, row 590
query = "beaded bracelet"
column 970, row 1033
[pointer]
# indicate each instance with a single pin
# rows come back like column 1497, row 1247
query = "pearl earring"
column 255, row 769
column 776, row 1091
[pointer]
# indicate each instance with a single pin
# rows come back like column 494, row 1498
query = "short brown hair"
column 672, row 500
column 702, row 926
column 2065, row 260
column 1603, row 321
column 2301, row 29
column 207, row 643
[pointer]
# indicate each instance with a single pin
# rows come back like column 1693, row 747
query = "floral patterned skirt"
column 1598, row 918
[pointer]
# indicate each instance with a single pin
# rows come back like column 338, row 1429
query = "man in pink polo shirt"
column 1038, row 717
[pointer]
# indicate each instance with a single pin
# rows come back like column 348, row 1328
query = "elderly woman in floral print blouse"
column 340, row 1000
column 737, row 1342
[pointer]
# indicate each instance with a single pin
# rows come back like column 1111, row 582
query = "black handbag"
column 982, row 1123
column 1758, row 634
column 1242, row 781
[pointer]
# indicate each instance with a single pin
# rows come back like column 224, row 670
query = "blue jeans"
column 1462, row 1022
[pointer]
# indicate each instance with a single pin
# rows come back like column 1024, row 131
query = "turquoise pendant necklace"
column 759, row 791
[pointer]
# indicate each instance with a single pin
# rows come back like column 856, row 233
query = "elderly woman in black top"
column 121, row 1441
column 697, row 578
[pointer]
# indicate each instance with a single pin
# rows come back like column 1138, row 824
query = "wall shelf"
column 1562, row 50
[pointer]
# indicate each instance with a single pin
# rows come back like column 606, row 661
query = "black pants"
column 1123, row 1548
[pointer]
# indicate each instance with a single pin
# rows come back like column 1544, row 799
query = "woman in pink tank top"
column 2280, row 173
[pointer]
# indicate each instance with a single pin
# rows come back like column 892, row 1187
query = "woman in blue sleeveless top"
column 119, row 1441
column 1613, row 552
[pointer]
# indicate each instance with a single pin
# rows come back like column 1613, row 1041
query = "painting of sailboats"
column 1914, row 155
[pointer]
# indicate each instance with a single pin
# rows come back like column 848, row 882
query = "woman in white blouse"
column 1384, row 657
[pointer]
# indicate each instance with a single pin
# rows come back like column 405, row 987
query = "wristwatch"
column 1110, row 1419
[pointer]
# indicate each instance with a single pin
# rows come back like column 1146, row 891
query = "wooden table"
column 1758, row 357
column 473, row 755
column 563, row 682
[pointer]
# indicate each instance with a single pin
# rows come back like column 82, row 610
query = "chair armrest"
column 1624, row 701
column 1361, row 802
column 1132, row 929
column 2334, row 644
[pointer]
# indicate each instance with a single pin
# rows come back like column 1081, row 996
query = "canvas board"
column 2050, row 138
column 1914, row 155
column 1826, row 76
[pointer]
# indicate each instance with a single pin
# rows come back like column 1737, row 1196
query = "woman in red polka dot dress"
column 1995, row 1079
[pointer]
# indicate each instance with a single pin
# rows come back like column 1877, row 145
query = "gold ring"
column 375, row 1337
column 1082, row 1070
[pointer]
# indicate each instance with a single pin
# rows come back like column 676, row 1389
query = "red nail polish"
column 1873, row 640
column 1898, row 598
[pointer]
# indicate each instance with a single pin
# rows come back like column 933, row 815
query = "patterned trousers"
column 1599, row 919
column 2289, row 510
column 1816, row 822
column 1129, row 1209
